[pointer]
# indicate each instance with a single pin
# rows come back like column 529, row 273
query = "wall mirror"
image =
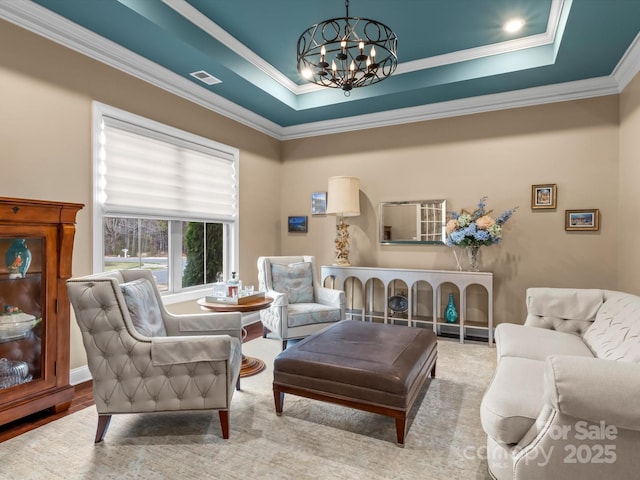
column 419, row 221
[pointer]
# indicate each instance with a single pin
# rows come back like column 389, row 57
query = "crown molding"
column 629, row 65
column 52, row 26
column 43, row 22
column 487, row 103
column 532, row 41
column 215, row 31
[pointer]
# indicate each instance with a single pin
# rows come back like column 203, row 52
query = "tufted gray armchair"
column 145, row 359
column 301, row 306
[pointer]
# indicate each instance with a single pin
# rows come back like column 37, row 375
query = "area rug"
column 311, row 440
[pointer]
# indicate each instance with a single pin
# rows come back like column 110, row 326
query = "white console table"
column 411, row 277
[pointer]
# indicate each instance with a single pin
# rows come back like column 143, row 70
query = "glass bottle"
column 220, row 287
column 451, row 314
column 232, row 285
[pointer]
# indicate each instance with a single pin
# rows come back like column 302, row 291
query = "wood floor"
column 82, row 398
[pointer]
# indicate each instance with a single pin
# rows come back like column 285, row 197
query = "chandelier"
column 347, row 52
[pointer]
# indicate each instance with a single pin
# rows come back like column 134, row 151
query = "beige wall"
column 629, row 229
column 498, row 154
column 45, row 136
column 46, row 94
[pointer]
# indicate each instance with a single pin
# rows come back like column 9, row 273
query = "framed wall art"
column 544, row 196
column 297, row 224
column 319, row 203
column 582, row 220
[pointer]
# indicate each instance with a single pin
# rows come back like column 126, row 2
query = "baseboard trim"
column 79, row 375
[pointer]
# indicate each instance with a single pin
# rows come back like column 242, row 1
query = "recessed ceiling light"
column 514, row 25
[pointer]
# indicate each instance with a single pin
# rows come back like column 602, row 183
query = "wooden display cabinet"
column 36, row 245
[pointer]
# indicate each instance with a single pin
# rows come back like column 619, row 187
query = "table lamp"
column 343, row 200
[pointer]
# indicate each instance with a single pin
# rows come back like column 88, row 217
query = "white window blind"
column 146, row 172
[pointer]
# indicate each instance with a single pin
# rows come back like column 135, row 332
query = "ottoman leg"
column 433, row 370
column 401, row 425
column 279, row 400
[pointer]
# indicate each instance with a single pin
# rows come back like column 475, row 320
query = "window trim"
column 231, row 230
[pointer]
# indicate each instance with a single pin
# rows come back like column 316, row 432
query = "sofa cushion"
column 615, row 333
column 537, row 343
column 514, row 399
column 142, row 303
column 295, row 280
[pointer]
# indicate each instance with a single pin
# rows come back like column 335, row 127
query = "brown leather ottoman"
column 370, row 366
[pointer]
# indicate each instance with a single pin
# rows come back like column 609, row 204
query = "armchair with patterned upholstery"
column 301, row 306
column 144, row 359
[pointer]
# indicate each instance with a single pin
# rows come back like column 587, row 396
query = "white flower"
column 495, row 231
column 464, row 220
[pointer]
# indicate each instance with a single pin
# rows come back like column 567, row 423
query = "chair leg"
column 224, row 423
column 238, row 383
column 284, row 344
column 103, row 426
column 265, row 331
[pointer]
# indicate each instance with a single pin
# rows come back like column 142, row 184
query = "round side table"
column 250, row 365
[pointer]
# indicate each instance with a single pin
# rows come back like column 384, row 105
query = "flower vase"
column 18, row 258
column 451, row 314
column 473, row 252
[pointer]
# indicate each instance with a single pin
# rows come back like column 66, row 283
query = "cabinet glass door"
column 22, row 301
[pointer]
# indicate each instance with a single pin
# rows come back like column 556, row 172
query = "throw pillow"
column 140, row 297
column 294, row 280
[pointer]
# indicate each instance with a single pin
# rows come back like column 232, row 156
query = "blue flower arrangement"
column 477, row 228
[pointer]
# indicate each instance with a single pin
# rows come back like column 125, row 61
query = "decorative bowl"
column 13, row 373
column 398, row 304
column 16, row 326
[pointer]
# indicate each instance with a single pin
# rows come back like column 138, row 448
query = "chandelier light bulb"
column 344, row 40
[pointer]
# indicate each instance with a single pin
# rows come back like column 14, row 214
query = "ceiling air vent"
column 205, row 77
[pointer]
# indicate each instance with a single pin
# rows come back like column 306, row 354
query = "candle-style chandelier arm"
column 347, row 52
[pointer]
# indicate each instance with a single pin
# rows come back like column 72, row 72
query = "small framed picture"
column 544, row 196
column 582, row 220
column 297, row 224
column 319, row 203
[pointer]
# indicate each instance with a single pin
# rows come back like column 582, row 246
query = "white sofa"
column 564, row 401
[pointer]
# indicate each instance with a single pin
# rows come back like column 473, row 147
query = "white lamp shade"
column 343, row 196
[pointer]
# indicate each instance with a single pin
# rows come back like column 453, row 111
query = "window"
column 164, row 200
